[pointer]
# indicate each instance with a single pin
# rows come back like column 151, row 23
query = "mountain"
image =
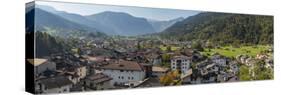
column 45, row 45
column 45, row 19
column 223, row 28
column 123, row 23
column 58, row 26
column 160, row 26
column 84, row 21
column 77, row 19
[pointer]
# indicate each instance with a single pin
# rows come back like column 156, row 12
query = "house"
column 150, row 82
column 159, row 71
column 75, row 74
column 181, row 63
column 262, row 56
column 97, row 81
column 98, row 59
column 122, row 71
column 186, row 79
column 154, row 58
column 57, row 84
column 42, row 65
column 222, row 77
column 147, row 69
column 218, row 59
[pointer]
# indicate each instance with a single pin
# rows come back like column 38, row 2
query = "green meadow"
column 230, row 51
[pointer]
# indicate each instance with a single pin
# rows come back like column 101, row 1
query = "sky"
column 149, row 13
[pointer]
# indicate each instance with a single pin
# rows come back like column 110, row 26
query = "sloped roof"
column 123, row 65
column 159, row 69
column 98, row 78
column 37, row 61
column 55, row 82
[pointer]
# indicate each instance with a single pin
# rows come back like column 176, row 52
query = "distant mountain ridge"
column 123, row 23
column 113, row 23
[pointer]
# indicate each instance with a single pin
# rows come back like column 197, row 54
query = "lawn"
column 164, row 48
column 230, row 51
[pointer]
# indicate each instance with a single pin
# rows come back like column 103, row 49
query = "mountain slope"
column 46, row 19
column 79, row 19
column 223, row 28
column 123, row 23
column 84, row 21
column 58, row 26
column 159, row 26
column 46, row 45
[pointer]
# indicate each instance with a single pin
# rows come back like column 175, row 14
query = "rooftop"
column 159, row 69
column 181, row 57
column 123, row 65
column 55, row 82
column 37, row 61
column 98, row 78
column 189, row 72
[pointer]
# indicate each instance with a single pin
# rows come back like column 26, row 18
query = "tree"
column 166, row 57
column 197, row 45
column 169, row 48
column 261, row 72
column 244, row 74
column 171, row 78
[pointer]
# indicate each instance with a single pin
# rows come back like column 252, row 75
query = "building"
column 181, row 63
column 159, row 71
column 154, row 58
column 97, row 82
column 58, row 84
column 122, row 71
column 41, row 65
column 150, row 82
column 186, row 79
column 76, row 73
column 148, row 69
column 218, row 59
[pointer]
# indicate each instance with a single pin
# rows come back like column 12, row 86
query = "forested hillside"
column 223, row 28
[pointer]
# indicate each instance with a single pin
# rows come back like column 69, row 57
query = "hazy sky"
column 150, row 13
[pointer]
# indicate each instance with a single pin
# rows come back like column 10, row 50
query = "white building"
column 58, row 84
column 123, row 72
column 41, row 65
column 181, row 63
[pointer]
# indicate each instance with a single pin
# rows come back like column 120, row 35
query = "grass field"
column 230, row 51
column 164, row 48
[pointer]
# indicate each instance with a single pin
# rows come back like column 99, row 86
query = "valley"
column 116, row 50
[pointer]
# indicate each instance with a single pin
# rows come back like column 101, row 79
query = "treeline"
column 223, row 28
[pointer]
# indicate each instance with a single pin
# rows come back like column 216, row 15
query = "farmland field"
column 230, row 51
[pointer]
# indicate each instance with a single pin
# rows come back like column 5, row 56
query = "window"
column 118, row 77
column 122, row 77
column 64, row 90
column 101, row 83
column 132, row 78
column 121, row 70
column 91, row 85
column 129, row 78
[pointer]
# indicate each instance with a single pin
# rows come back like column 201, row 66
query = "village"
column 124, row 63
